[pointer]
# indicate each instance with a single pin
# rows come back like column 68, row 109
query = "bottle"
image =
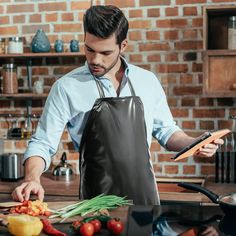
column 232, row 32
column 2, row 46
column 27, row 130
column 15, row 45
column 9, row 77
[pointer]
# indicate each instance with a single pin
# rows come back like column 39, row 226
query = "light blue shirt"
column 71, row 99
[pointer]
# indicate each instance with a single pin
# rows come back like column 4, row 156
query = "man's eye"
column 106, row 53
column 89, row 49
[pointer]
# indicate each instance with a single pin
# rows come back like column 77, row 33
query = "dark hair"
column 102, row 21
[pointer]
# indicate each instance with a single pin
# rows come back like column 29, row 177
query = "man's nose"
column 96, row 59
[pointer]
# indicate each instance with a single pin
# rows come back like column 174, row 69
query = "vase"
column 74, row 45
column 40, row 42
column 58, row 46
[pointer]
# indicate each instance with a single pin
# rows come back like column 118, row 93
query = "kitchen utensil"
column 10, row 204
column 63, row 171
column 11, row 166
column 226, row 202
column 203, row 140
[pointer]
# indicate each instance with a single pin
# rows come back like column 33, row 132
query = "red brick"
column 154, row 2
column 19, row 8
column 198, row 22
column 155, row 146
column 40, row 71
column 189, row 170
column 139, row 24
column 67, row 17
column 190, row 34
column 120, row 3
column 154, row 47
column 182, row 2
column 51, row 17
column 81, row 5
column 153, row 35
column 188, row 45
column 135, row 35
column 157, row 168
column 1, row 9
column 165, row 157
column 136, row 58
column 172, row 102
column 186, row 79
column 213, row 113
column 187, row 90
column 225, row 124
column 35, row 18
column 206, row 125
column 53, row 6
column 188, row 125
column 171, row 34
column 208, row 170
column 176, row 23
column 135, row 13
column 154, row 58
column 153, row 12
column 197, row 67
column 19, row 19
column 12, row 30
column 171, row 11
column 206, row 102
column 171, row 169
column 4, row 20
column 186, row 102
column 190, row 11
column 172, row 68
column 32, row 29
column 68, row 28
column 171, row 57
column 179, row 112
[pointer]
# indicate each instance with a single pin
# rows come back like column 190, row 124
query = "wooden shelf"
column 23, row 95
column 40, row 55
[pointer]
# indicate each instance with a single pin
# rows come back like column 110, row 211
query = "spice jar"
column 9, row 77
column 15, row 45
column 2, row 46
column 232, row 32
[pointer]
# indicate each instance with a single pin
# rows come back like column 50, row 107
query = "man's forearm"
column 34, row 167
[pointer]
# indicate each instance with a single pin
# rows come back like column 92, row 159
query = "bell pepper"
column 24, row 225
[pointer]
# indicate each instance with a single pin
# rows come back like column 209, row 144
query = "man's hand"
column 23, row 191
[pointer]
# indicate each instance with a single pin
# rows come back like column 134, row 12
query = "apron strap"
column 101, row 91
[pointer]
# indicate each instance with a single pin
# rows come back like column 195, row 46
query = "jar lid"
column 16, row 39
column 9, row 66
column 232, row 18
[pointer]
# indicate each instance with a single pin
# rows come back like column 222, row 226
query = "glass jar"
column 15, row 45
column 2, row 46
column 9, row 79
column 232, row 32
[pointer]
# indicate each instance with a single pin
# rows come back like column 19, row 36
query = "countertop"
column 59, row 190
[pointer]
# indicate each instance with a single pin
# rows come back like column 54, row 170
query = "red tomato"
column 87, row 229
column 97, row 225
column 115, row 226
column 76, row 224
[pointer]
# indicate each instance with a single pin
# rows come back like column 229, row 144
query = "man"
column 111, row 109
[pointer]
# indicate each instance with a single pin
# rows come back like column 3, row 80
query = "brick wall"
column 166, row 37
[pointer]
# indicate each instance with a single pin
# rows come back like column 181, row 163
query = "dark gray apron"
column 114, row 156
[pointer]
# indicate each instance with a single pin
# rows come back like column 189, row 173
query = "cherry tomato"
column 97, row 225
column 76, row 224
column 86, row 229
column 115, row 226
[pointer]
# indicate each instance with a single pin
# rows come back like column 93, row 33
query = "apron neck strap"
column 101, row 91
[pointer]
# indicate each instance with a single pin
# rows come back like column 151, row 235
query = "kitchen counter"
column 56, row 190
column 142, row 220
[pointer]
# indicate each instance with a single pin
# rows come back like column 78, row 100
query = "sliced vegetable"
column 115, row 226
column 49, row 229
column 96, row 204
column 24, row 225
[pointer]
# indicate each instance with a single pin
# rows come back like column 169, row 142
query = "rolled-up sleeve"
column 163, row 124
column 45, row 141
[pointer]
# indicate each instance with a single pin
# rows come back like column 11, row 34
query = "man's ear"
column 124, row 45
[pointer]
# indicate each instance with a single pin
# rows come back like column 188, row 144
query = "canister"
column 9, row 79
column 15, row 45
column 232, row 32
column 2, row 46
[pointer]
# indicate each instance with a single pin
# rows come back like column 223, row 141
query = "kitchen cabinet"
column 218, row 61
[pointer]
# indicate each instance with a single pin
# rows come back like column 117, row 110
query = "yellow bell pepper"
column 24, row 225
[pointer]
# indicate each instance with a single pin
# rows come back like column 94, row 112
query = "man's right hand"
column 23, row 191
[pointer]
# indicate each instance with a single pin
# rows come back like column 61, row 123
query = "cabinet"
column 219, row 63
column 36, row 60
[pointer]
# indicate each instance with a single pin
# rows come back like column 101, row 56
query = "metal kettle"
column 63, row 171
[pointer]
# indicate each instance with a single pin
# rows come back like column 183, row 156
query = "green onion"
column 96, row 204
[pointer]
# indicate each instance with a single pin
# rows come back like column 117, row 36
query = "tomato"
column 97, row 225
column 76, row 224
column 86, row 229
column 115, row 226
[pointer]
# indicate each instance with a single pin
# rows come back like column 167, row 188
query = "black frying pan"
column 227, row 202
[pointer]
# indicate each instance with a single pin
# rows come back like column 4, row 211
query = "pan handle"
column 212, row 196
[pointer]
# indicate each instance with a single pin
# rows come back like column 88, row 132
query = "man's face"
column 102, row 54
